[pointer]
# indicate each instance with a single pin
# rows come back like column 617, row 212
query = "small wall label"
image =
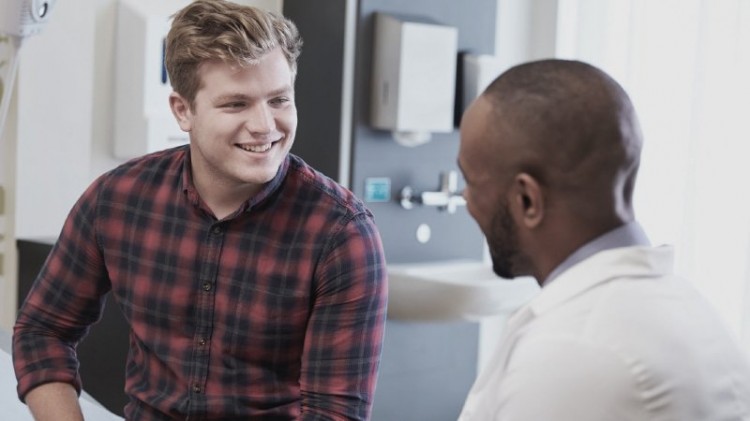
column 377, row 189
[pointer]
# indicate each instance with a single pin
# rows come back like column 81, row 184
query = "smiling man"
column 254, row 286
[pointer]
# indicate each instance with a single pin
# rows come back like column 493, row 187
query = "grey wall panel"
column 319, row 79
column 377, row 155
column 426, row 371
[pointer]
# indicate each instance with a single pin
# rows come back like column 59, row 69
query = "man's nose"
column 260, row 119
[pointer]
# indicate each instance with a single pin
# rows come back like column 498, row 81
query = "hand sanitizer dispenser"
column 414, row 77
column 143, row 120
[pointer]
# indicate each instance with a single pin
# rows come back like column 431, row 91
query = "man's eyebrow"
column 286, row 90
column 231, row 97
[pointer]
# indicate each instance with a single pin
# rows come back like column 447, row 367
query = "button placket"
column 207, row 283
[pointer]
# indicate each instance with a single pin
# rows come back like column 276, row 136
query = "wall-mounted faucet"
column 447, row 198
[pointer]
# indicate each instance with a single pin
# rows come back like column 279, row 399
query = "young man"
column 255, row 287
column 550, row 153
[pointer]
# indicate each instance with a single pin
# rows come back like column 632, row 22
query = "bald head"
column 549, row 153
column 574, row 128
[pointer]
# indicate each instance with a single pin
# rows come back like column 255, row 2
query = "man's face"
column 481, row 162
column 243, row 122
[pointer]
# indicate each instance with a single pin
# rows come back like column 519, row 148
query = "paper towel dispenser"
column 414, row 77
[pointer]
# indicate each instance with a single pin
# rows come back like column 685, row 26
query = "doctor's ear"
column 527, row 200
column 181, row 110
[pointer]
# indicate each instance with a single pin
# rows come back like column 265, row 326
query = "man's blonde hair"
column 209, row 30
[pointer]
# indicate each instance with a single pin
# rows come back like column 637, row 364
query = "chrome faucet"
column 447, row 198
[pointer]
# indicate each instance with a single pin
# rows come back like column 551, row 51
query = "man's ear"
column 527, row 200
column 181, row 110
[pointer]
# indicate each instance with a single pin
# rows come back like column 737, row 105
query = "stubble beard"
column 503, row 244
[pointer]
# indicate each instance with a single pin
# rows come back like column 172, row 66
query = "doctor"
column 550, row 153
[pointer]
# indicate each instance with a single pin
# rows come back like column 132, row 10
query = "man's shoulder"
column 153, row 168
column 626, row 308
column 314, row 184
column 633, row 343
column 655, row 326
column 154, row 161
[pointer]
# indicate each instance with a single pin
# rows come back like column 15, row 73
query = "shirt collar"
column 622, row 263
column 188, row 187
column 270, row 187
column 630, row 234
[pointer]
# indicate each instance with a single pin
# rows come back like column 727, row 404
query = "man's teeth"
column 256, row 148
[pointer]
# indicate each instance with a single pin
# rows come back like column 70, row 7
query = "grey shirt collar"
column 630, row 234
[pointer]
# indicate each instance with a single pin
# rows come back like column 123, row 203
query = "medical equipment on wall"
column 19, row 19
column 143, row 120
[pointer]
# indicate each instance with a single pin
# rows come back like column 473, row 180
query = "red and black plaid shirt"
column 275, row 313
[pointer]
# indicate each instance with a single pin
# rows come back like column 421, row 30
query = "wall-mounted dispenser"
column 143, row 120
column 479, row 70
column 413, row 78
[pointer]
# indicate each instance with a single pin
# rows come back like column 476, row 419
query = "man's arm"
column 54, row 402
column 344, row 337
column 64, row 301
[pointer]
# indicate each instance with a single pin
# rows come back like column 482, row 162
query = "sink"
column 453, row 290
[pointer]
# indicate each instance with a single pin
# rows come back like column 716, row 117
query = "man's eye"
column 279, row 101
column 234, row 105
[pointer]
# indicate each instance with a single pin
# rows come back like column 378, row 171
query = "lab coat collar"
column 602, row 267
column 626, row 235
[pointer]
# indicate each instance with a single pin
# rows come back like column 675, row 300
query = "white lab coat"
column 615, row 337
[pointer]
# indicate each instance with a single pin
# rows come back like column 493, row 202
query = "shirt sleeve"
column 345, row 332
column 566, row 378
column 65, row 299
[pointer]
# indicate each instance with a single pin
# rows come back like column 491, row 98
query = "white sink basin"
column 453, row 290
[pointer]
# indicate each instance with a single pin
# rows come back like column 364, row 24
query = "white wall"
column 526, row 30
column 48, row 133
column 55, row 103
column 8, row 255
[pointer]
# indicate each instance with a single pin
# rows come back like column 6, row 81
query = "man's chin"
column 261, row 175
column 503, row 272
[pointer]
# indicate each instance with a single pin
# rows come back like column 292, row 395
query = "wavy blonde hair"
column 221, row 30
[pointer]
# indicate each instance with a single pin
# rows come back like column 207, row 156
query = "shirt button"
column 217, row 230
column 197, row 388
column 202, row 342
column 207, row 286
